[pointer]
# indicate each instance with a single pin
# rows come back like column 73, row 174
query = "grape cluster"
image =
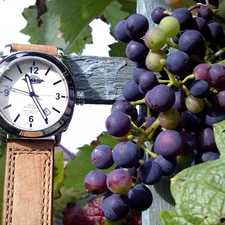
column 179, row 82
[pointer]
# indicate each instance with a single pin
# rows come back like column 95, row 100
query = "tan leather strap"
column 28, row 187
column 50, row 49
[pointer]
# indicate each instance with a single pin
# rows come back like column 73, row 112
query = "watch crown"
column 80, row 98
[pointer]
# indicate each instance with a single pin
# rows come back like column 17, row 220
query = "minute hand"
column 33, row 96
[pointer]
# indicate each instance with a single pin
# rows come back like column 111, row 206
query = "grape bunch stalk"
column 179, row 82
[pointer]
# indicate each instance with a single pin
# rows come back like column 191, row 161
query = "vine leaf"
column 199, row 191
column 66, row 23
column 58, row 172
column 2, row 172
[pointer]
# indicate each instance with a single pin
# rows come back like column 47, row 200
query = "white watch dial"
column 34, row 94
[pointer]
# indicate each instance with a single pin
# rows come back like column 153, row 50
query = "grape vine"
column 179, row 80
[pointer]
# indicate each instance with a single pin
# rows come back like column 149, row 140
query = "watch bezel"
column 62, row 124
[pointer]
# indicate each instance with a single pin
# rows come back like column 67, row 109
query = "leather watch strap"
column 50, row 49
column 28, row 188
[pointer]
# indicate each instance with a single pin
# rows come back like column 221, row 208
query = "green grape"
column 170, row 26
column 169, row 119
column 155, row 38
column 183, row 159
column 221, row 9
column 194, row 105
column 155, row 60
column 175, row 3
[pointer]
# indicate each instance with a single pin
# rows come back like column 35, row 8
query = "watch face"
column 36, row 95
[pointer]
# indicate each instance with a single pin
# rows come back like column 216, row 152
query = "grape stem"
column 138, row 102
column 171, row 44
column 218, row 53
column 189, row 77
column 172, row 79
column 152, row 154
column 185, row 89
column 207, row 102
column 163, row 81
column 136, row 128
column 148, row 133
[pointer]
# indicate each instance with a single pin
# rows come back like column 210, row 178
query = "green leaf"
column 199, row 192
column 219, row 132
column 2, row 172
column 75, row 16
column 66, row 23
column 58, row 172
column 114, row 12
column 30, row 15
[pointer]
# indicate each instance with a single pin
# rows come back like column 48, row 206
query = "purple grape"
column 168, row 166
column 205, row 156
column 115, row 207
column 178, row 63
column 206, row 13
column 101, row 157
column 199, row 89
column 137, row 51
column 200, row 71
column 126, row 154
column 191, row 122
column 118, row 124
column 136, row 26
column 120, row 32
column 180, row 98
column 147, row 81
column 149, row 172
column 168, row 143
column 219, row 99
column 191, row 42
column 158, row 14
column 137, row 71
column 160, row 98
column 205, row 139
column 131, row 91
column 215, row 76
column 214, row 115
column 189, row 142
column 125, row 107
column 184, row 17
column 199, row 24
column 214, row 32
column 95, row 182
column 140, row 197
column 119, row 181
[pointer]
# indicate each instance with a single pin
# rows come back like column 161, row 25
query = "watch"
column 37, row 97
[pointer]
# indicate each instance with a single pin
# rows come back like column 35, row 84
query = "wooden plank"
column 100, row 78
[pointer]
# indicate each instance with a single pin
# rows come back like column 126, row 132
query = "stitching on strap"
column 46, row 183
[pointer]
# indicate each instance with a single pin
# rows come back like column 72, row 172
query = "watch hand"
column 18, row 90
column 33, row 96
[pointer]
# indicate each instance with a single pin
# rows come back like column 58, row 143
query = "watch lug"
column 58, row 139
column 7, row 50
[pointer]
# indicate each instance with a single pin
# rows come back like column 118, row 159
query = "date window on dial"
column 47, row 111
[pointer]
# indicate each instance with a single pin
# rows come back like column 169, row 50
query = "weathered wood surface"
column 100, row 78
